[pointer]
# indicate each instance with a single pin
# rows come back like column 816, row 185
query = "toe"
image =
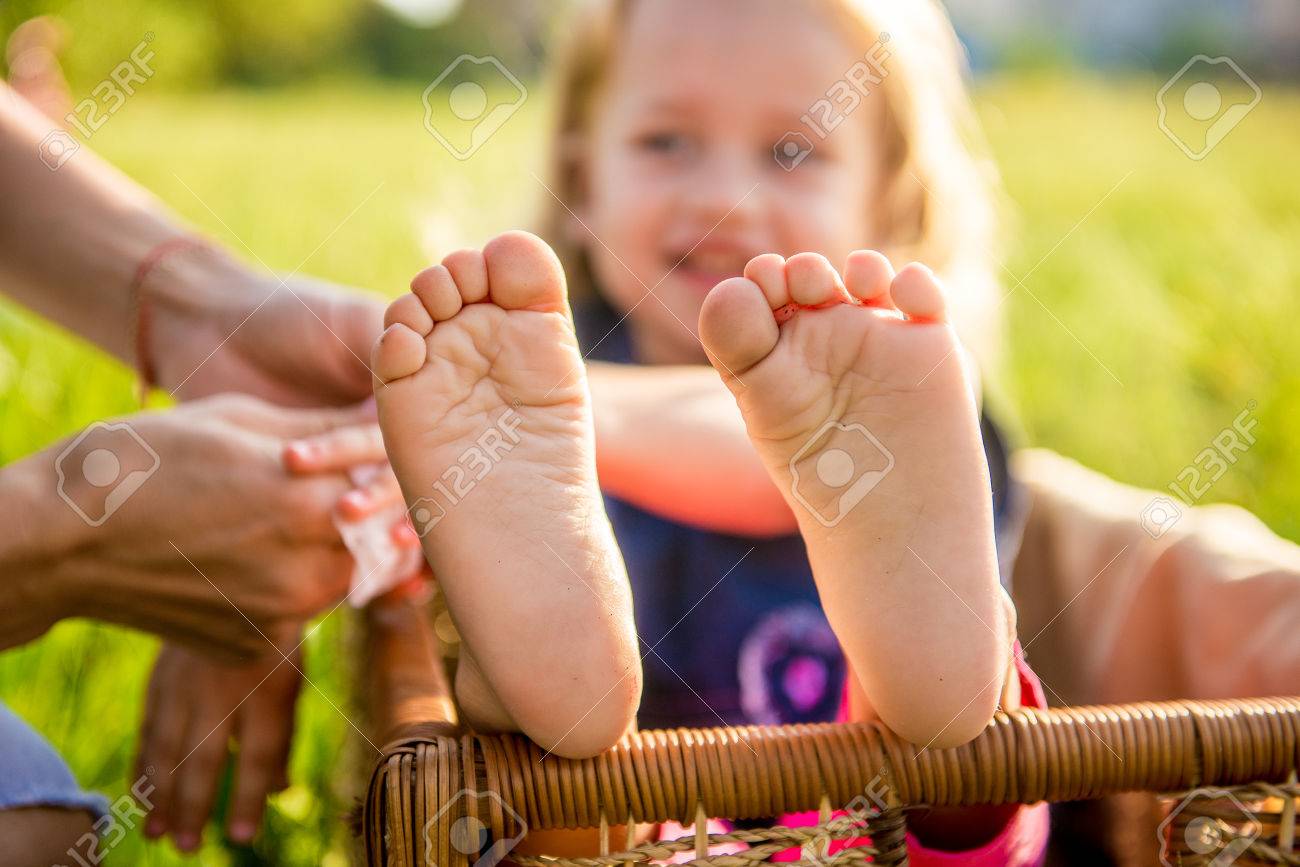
column 399, row 352
column 736, row 326
column 437, row 291
column 812, row 280
column 408, row 311
column 524, row 273
column 768, row 271
column 867, row 275
column 469, row 272
column 917, row 293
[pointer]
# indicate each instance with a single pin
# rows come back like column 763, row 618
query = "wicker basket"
column 1229, row 768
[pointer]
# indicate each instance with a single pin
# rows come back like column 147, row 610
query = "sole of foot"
column 855, row 393
column 486, row 417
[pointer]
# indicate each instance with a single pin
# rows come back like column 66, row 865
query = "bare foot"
column 486, row 418
column 856, row 396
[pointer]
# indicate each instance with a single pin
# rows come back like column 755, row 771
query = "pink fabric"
column 1022, row 843
column 671, row 830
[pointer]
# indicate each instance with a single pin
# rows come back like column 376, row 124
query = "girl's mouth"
column 703, row 269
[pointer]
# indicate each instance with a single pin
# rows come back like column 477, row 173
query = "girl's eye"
column 797, row 152
column 663, row 142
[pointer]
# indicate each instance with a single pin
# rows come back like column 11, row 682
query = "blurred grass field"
column 1161, row 299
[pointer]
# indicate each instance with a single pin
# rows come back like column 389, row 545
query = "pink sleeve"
column 1023, row 842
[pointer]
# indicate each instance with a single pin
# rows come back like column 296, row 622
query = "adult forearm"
column 670, row 440
column 76, row 238
column 71, row 239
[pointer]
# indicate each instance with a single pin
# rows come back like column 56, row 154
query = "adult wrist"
column 188, row 300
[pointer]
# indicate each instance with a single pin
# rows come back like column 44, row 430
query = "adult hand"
column 194, row 710
column 339, row 449
column 216, row 326
column 217, row 546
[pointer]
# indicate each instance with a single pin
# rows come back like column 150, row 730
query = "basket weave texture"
column 426, row 783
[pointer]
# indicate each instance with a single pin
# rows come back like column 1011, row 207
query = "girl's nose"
column 727, row 188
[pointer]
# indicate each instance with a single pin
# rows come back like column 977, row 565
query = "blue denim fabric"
column 32, row 774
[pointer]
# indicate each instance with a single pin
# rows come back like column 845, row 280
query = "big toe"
column 524, row 273
column 737, row 327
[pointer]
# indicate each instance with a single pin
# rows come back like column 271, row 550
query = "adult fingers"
column 291, row 422
column 166, row 718
column 261, row 766
column 199, row 773
column 403, row 534
column 304, row 508
column 325, row 582
column 311, row 422
column 378, row 494
column 338, row 449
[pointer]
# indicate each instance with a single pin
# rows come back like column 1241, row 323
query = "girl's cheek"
column 614, row 194
column 631, row 210
column 629, row 181
column 827, row 221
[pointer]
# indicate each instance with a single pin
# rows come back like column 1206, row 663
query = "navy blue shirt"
column 732, row 630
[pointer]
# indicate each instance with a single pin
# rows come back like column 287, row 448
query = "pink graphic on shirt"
column 790, row 668
column 804, row 681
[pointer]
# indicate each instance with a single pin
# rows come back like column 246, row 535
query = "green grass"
column 1181, row 284
column 1161, row 301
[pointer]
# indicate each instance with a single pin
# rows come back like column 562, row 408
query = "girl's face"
column 681, row 185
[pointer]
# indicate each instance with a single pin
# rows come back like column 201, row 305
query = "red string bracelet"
column 142, row 312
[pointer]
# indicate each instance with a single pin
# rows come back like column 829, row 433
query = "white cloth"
column 381, row 564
